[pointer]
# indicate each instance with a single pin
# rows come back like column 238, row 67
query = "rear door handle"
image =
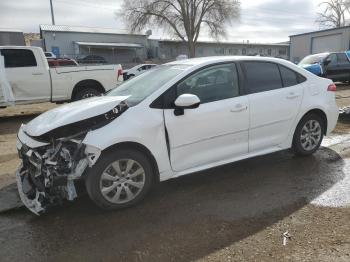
column 292, row 96
column 239, row 108
column 37, row 74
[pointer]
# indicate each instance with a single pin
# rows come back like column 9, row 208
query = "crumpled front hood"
column 71, row 113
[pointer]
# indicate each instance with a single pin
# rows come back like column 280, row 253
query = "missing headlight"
column 47, row 174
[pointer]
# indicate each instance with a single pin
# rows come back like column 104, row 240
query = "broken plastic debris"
column 286, row 237
column 345, row 110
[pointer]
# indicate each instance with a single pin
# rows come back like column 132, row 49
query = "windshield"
column 313, row 59
column 144, row 85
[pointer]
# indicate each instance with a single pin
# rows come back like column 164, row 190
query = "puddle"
column 339, row 194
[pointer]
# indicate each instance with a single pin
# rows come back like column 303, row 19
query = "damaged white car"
column 176, row 119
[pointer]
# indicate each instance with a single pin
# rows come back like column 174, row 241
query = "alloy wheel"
column 122, row 181
column 311, row 135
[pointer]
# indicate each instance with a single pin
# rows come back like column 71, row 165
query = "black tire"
column 297, row 146
column 93, row 177
column 86, row 93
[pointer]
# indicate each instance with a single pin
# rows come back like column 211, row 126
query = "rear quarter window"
column 262, row 76
column 289, row 77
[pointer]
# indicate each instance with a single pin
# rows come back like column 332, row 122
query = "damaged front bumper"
column 48, row 170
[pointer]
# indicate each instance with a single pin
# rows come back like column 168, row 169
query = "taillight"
column 119, row 73
column 332, row 88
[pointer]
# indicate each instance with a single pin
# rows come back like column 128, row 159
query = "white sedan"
column 179, row 118
column 137, row 70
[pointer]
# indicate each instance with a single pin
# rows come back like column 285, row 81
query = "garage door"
column 328, row 43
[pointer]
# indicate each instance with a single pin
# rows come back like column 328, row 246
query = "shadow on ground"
column 11, row 124
column 182, row 220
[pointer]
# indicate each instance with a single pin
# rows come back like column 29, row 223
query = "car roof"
column 319, row 54
column 145, row 64
column 218, row 59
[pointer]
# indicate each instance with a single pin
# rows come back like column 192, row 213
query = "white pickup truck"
column 25, row 78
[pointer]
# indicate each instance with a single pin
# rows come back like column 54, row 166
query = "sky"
column 261, row 21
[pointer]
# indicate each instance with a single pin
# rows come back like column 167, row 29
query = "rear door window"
column 18, row 58
column 262, row 76
column 342, row 58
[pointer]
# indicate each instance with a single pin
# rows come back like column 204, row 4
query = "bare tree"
column 334, row 13
column 183, row 18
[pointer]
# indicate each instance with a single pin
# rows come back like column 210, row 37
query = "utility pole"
column 52, row 14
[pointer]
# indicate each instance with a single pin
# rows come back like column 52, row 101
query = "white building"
column 170, row 49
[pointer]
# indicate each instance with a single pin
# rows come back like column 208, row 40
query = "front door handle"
column 239, row 108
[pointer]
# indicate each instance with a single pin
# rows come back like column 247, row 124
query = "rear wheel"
column 308, row 135
column 86, row 93
column 119, row 179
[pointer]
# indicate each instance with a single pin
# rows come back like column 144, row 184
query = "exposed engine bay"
column 52, row 162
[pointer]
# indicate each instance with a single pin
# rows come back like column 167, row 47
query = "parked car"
column 335, row 66
column 62, row 62
column 91, row 59
column 179, row 118
column 137, row 70
column 32, row 81
column 181, row 57
column 50, row 55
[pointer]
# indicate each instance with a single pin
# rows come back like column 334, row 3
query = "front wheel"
column 308, row 135
column 119, row 179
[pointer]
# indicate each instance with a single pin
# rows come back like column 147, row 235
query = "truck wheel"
column 119, row 179
column 308, row 135
column 86, row 93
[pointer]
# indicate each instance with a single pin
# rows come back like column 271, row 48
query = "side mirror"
column 186, row 101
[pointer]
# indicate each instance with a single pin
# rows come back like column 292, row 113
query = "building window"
column 269, row 51
column 220, row 51
column 200, row 51
column 233, row 51
column 282, row 52
column 244, row 51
